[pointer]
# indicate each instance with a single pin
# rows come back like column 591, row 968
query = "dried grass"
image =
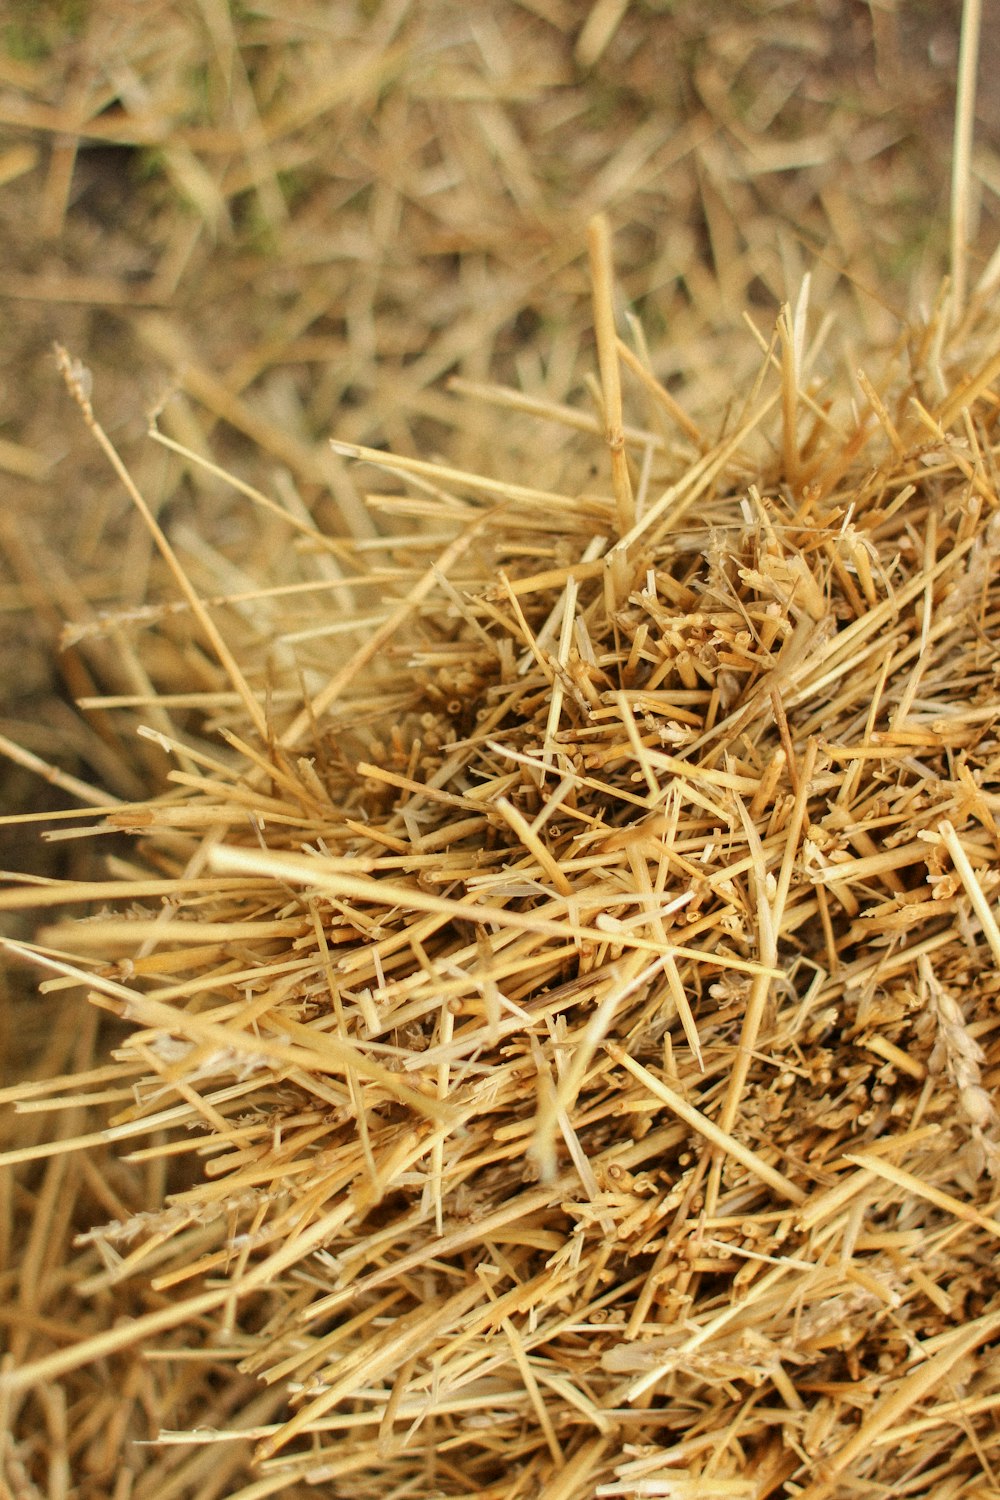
column 543, row 1039
column 574, row 1017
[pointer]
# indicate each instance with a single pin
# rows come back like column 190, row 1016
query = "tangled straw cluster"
column 573, row 1025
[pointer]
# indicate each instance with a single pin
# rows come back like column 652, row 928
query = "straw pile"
column 299, row 219
column 560, row 1022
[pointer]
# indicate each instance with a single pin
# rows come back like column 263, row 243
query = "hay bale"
column 559, row 1039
